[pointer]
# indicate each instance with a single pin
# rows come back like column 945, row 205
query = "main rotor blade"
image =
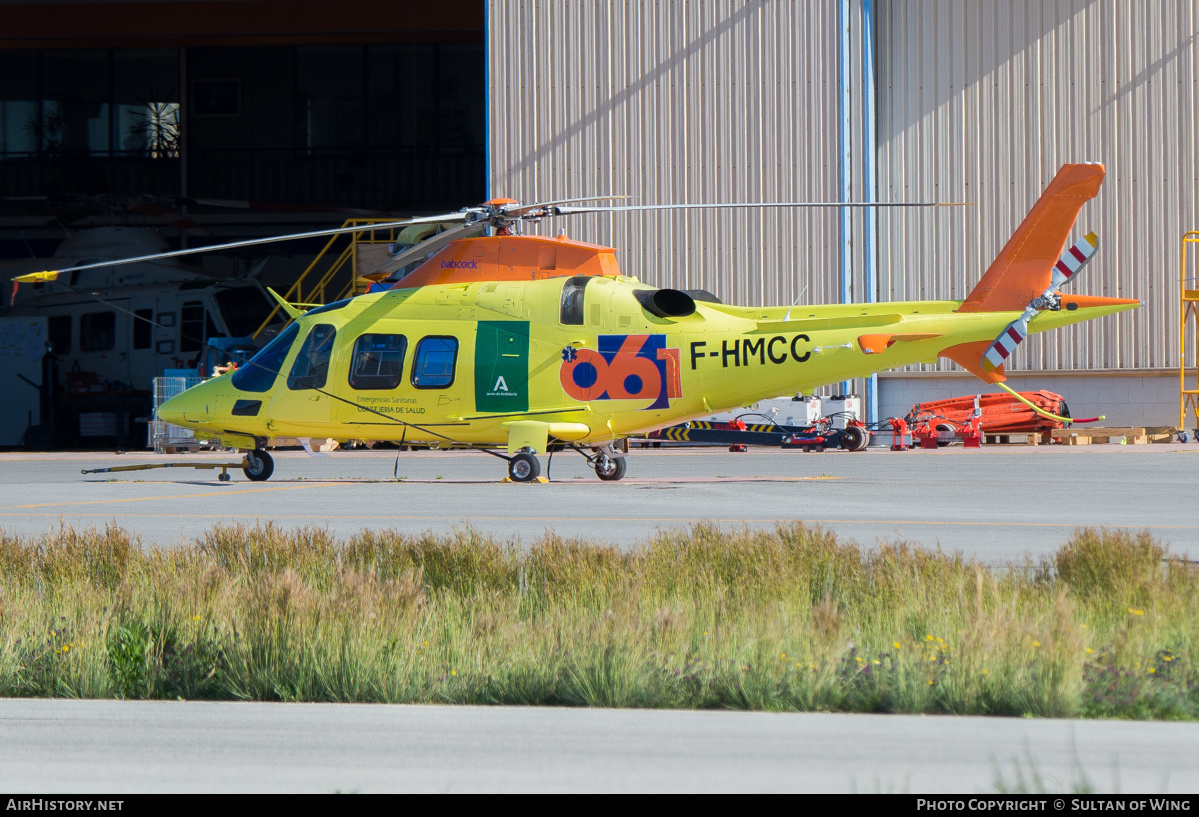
column 424, row 249
column 248, row 243
column 515, row 212
column 570, row 211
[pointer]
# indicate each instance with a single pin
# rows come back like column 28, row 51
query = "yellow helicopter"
column 522, row 345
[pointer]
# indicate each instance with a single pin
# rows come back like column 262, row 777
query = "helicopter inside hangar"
column 127, row 325
column 180, row 101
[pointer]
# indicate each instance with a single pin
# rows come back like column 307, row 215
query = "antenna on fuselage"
column 787, row 317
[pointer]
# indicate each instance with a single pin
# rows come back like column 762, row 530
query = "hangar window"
column 244, row 309
column 143, row 328
column 259, row 373
column 571, row 309
column 191, row 326
column 311, row 369
column 435, row 360
column 59, row 329
column 97, row 331
column 378, row 361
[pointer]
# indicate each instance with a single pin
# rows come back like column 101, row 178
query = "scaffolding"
column 364, row 250
column 1188, row 317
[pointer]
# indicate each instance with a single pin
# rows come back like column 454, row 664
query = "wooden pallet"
column 1018, row 438
column 1136, row 435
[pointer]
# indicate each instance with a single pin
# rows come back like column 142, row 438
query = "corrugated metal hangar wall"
column 738, row 100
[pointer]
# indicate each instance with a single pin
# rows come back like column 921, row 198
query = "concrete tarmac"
column 998, row 504
column 135, row 746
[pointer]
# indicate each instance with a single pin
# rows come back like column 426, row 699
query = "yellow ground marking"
column 175, row 496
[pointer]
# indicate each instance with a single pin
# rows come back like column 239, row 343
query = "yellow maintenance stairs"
column 336, row 269
column 1188, row 310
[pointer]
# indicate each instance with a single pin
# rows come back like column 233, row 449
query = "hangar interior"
column 282, row 105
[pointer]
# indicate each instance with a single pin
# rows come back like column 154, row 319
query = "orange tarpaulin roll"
column 1001, row 413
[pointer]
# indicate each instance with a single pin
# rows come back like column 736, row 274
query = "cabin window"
column 311, row 369
column 143, row 328
column 59, row 330
column 571, row 309
column 97, row 331
column 378, row 361
column 259, row 372
column 434, row 362
column 191, row 327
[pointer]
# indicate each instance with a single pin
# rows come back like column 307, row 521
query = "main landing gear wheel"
column 610, row 469
column 524, row 467
column 856, row 438
column 259, row 465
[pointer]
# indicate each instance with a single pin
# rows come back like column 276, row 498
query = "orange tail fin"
column 1024, row 268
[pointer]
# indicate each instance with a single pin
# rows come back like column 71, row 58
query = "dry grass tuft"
column 788, row 618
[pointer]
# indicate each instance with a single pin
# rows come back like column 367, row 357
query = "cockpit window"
column 311, row 369
column 571, row 311
column 259, row 372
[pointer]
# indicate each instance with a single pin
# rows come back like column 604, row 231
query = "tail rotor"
column 1072, row 260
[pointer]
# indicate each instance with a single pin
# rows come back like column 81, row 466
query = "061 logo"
column 624, row 367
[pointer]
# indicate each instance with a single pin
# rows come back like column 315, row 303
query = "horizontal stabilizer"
column 877, row 344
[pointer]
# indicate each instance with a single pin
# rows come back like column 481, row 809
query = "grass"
column 788, row 619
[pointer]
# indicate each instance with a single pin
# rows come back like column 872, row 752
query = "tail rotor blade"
column 1074, row 259
column 1011, row 337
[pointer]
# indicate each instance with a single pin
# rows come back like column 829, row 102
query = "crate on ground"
column 164, row 437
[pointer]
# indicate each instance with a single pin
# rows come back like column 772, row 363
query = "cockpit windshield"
column 259, row 373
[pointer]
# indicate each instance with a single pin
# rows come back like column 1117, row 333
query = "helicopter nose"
column 186, row 406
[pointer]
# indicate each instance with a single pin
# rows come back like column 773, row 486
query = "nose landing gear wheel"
column 259, row 465
column 524, row 467
column 609, row 469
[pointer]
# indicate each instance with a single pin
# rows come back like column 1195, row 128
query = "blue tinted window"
column 259, row 373
column 433, row 364
column 311, row 369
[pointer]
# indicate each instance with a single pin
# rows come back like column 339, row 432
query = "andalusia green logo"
column 502, row 366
